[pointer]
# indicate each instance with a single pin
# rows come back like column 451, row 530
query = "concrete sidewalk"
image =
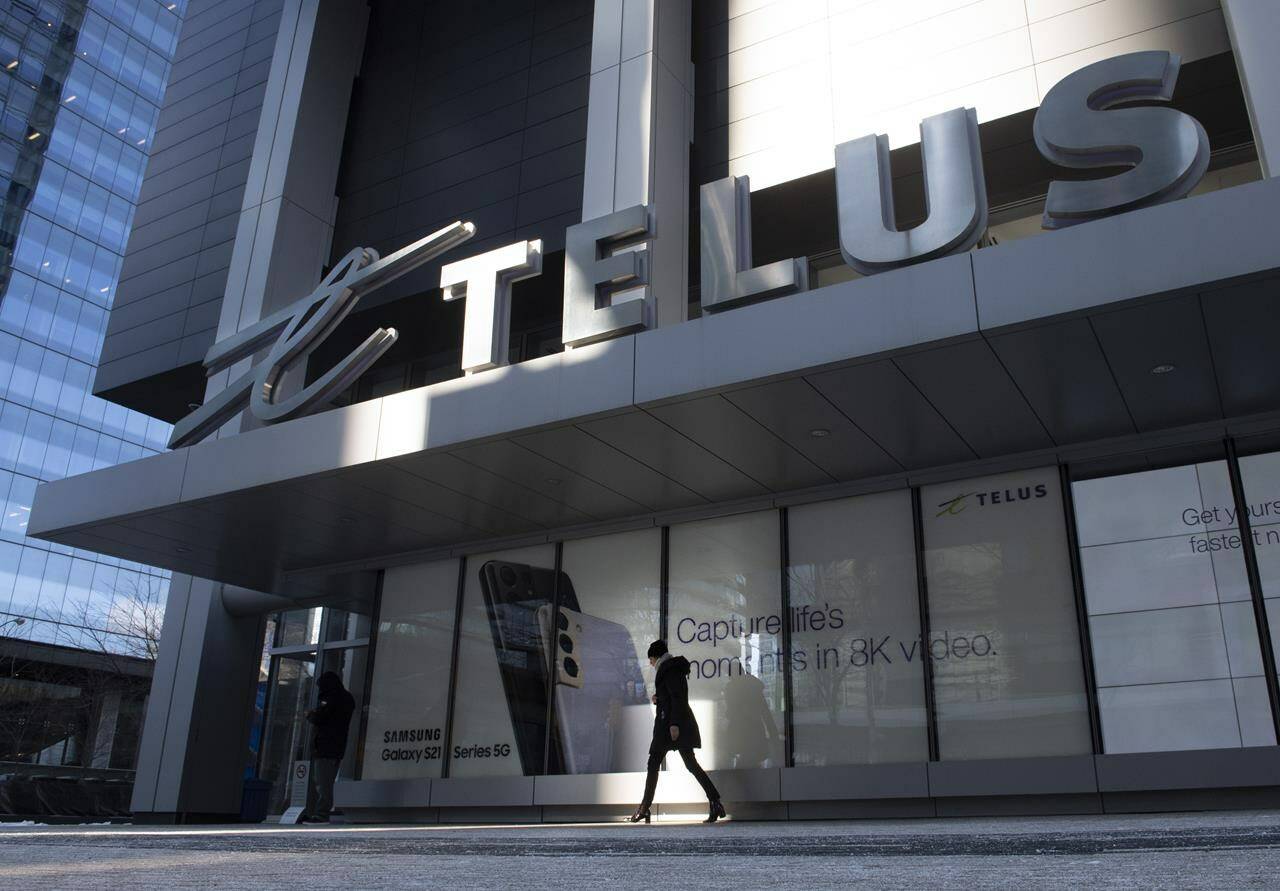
column 1202, row 850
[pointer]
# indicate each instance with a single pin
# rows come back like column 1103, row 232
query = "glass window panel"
column 34, row 440
column 16, row 304
column 49, row 385
column 44, row 304
column 26, row 371
column 48, row 191
column 1170, row 616
column 31, row 244
column 82, row 451
column 108, row 452
column 725, row 595
column 13, row 420
column 56, row 253
column 611, row 602
column 53, row 586
column 499, row 727
column 58, row 453
column 1261, row 477
column 408, row 697
column 71, row 200
column 26, row 589
column 299, row 626
column 349, row 664
column 1003, row 641
column 285, row 733
column 10, row 554
column 858, row 668
column 62, row 331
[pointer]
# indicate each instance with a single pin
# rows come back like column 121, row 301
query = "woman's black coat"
column 671, row 686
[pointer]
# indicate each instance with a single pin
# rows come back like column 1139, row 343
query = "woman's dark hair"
column 658, row 649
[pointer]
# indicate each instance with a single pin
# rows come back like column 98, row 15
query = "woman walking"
column 674, row 728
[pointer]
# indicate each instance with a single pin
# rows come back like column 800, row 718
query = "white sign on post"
column 300, row 785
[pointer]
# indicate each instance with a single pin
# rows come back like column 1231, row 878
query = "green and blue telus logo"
column 957, row 505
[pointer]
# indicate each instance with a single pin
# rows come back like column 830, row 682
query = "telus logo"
column 1077, row 125
column 956, row 505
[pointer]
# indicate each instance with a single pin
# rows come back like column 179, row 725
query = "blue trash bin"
column 254, row 800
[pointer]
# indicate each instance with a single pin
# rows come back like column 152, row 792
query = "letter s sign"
column 1078, row 126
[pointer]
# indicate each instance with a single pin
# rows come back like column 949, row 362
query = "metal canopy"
column 1032, row 348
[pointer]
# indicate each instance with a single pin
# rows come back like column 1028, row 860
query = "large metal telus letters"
column 727, row 277
column 596, row 265
column 1167, row 150
column 485, row 281
column 955, row 196
column 298, row 329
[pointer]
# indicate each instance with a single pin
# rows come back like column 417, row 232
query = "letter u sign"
column 1078, row 125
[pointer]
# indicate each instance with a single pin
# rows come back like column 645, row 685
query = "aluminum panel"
column 571, row 447
column 881, row 401
column 726, row 431
column 998, row 423
column 649, row 441
column 1078, row 406
column 1171, row 332
column 797, row 413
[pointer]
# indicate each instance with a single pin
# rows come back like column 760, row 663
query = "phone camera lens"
column 566, row 643
column 570, row 666
column 562, row 622
column 508, row 576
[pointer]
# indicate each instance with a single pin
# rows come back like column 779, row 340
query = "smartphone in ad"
column 601, row 707
column 513, row 594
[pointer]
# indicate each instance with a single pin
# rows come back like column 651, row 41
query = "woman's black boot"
column 642, row 813
column 717, row 812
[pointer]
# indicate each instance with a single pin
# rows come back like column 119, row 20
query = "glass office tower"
column 79, row 99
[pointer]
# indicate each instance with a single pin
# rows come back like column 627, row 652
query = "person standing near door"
column 332, row 719
column 674, row 728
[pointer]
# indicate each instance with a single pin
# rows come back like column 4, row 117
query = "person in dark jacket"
column 332, row 719
column 674, row 728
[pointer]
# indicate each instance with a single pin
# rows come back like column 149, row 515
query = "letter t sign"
column 486, row 283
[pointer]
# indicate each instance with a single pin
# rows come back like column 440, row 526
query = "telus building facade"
column 908, row 365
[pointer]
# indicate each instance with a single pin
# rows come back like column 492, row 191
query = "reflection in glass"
column 500, row 719
column 287, row 731
column 1175, row 643
column 604, row 720
column 409, row 696
column 1003, row 642
column 858, row 672
column 726, row 619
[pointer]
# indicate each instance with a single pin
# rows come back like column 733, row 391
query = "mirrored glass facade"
column 79, row 101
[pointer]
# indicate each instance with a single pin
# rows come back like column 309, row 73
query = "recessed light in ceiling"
column 552, row 481
column 1163, row 369
column 819, row 432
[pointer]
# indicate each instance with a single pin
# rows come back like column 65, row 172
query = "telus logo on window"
column 953, row 506
column 1078, row 125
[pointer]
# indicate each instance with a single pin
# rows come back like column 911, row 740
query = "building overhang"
column 1042, row 348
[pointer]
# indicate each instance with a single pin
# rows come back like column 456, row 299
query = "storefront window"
column 1261, row 476
column 857, row 671
column 286, row 737
column 603, row 718
column 349, row 663
column 1175, row 644
column 409, row 696
column 726, row 619
column 1003, row 641
column 500, row 719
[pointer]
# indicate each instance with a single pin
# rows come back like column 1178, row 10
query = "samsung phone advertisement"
column 551, row 675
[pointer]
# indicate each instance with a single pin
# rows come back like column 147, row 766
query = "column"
column 1254, row 28
column 639, row 124
column 193, row 751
